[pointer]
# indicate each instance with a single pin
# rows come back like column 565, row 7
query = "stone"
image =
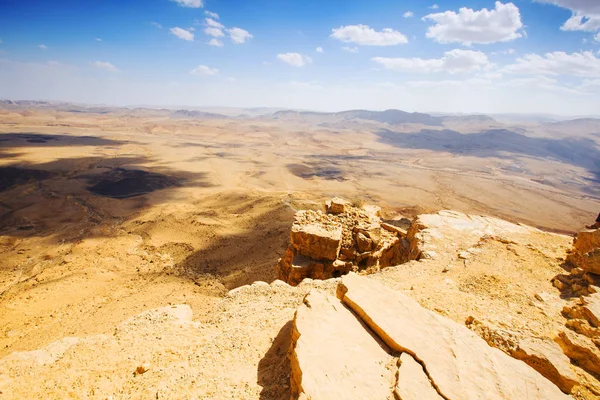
column 464, row 255
column 587, row 240
column 317, row 241
column 591, row 309
column 581, row 349
column 142, row 368
column 363, row 243
column 333, row 356
column 413, row 383
column 459, row 363
column 548, row 359
column 338, row 205
column 394, row 229
column 589, row 262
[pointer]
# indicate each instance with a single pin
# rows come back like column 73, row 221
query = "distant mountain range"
column 391, row 117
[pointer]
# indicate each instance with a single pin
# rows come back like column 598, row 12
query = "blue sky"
column 453, row 56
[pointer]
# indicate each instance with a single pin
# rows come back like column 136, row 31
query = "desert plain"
column 106, row 213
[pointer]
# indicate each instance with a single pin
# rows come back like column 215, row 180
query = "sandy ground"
column 76, row 263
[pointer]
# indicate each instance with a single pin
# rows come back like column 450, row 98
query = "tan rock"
column 363, row 242
column 333, row 356
column 317, row 241
column 458, row 362
column 591, row 309
column 587, row 240
column 580, row 349
column 547, row 358
column 338, row 205
column 413, row 383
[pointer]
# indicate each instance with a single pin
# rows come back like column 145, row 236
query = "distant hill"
column 391, row 117
column 196, row 114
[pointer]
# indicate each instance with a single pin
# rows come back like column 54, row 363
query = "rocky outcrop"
column 333, row 356
column 438, row 357
column 342, row 239
column 586, row 251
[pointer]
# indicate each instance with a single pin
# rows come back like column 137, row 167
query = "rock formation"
column 332, row 349
column 586, row 251
column 345, row 238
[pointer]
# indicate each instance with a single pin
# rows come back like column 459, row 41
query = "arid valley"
column 107, row 213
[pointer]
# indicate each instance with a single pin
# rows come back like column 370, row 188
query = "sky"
column 455, row 56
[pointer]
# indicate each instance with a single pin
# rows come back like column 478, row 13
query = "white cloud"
column 204, row 70
column 365, row 36
column 454, row 61
column 590, row 85
column 350, row 49
column 294, row 59
column 182, row 34
column 215, row 32
column 502, row 24
column 584, row 64
column 239, row 35
column 104, row 65
column 43, row 47
column 156, row 24
column 215, row 42
column 213, row 23
column 408, row 14
column 586, row 14
column 98, row 39
column 434, row 7
column 211, row 14
column 319, row 50
column 190, row 3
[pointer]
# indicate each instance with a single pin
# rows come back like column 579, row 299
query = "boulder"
column 338, row 205
column 332, row 355
column 317, row 241
column 587, row 240
column 413, row 383
column 459, row 363
column 588, row 262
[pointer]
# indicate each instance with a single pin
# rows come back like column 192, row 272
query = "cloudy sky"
column 524, row 56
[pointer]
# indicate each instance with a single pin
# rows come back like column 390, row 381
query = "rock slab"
column 333, row 356
column 459, row 363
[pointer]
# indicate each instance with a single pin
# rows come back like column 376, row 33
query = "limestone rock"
column 325, row 246
column 317, row 241
column 338, row 205
column 591, row 309
column 458, row 362
column 589, row 262
column 548, row 359
column 587, row 240
column 580, row 349
column 333, row 356
column 413, row 383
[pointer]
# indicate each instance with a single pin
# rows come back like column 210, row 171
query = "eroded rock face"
column 343, row 239
column 586, row 251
